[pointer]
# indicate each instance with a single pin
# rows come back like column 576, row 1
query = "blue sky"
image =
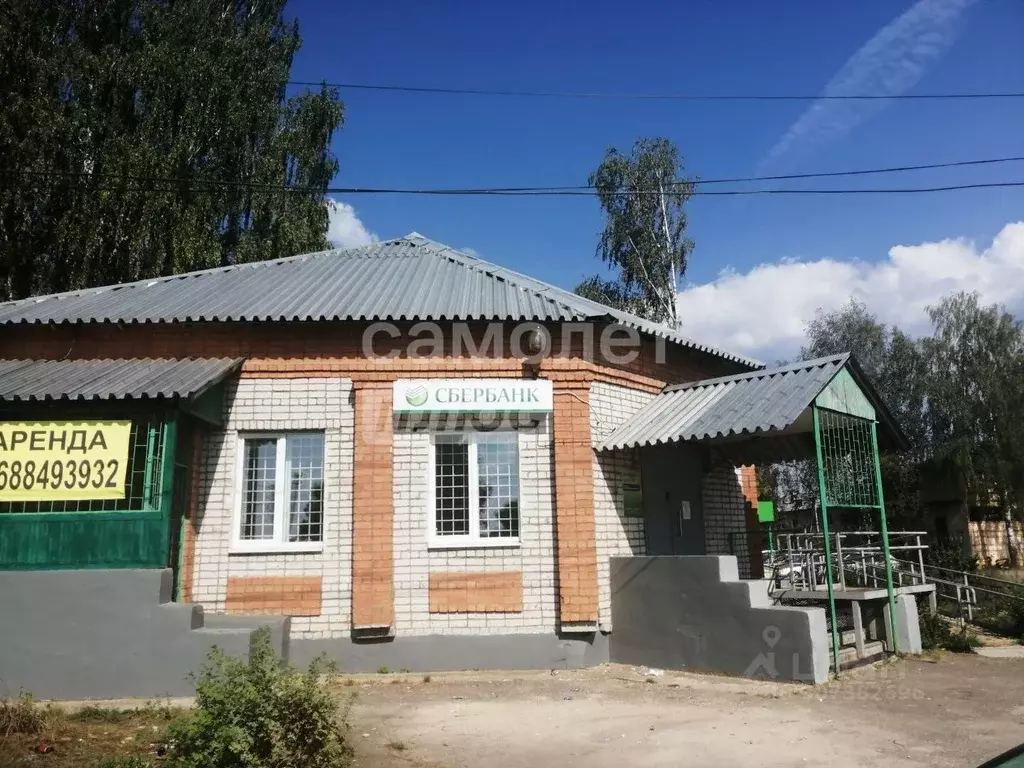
column 796, row 46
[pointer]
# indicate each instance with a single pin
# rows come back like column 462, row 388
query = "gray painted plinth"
column 695, row 613
column 908, row 628
column 97, row 634
column 440, row 653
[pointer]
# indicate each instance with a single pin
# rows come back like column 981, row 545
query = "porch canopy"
column 759, row 417
column 191, row 383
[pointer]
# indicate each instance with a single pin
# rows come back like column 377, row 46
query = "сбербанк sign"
column 472, row 395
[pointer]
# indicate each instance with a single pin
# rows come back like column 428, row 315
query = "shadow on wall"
column 730, row 518
column 693, row 612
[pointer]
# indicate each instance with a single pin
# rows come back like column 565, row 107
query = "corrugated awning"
column 763, row 403
column 130, row 379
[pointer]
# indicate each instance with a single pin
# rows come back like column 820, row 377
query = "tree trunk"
column 1012, row 545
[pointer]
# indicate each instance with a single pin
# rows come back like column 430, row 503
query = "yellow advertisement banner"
column 63, row 460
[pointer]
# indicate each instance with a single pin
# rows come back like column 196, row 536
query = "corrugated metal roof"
column 38, row 380
column 763, row 401
column 411, row 278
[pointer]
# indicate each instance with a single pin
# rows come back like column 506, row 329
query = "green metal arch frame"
column 824, row 495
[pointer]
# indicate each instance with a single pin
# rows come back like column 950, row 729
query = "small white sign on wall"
column 472, row 396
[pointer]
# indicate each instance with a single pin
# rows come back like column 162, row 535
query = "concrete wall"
column 695, row 613
column 105, row 634
column 990, row 542
column 437, row 653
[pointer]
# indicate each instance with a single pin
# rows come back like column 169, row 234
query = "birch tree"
column 644, row 239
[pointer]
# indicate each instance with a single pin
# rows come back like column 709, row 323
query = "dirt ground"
column 946, row 711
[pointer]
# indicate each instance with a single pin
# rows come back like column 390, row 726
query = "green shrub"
column 935, row 631
column 953, row 555
column 123, row 761
column 92, row 714
column 1015, row 612
column 1003, row 614
column 961, row 642
column 260, row 714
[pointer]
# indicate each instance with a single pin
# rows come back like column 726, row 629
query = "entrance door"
column 673, row 515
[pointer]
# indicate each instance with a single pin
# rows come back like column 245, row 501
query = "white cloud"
column 345, row 230
column 763, row 312
column 888, row 64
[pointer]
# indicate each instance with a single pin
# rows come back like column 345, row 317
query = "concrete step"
column 280, row 627
column 873, row 651
column 192, row 613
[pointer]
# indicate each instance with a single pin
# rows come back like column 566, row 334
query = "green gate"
column 132, row 532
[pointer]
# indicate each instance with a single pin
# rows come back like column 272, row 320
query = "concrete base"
column 695, row 613
column 101, row 634
column 908, row 628
column 442, row 653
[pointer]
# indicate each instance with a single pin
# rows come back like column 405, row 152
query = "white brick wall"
column 610, row 405
column 616, row 534
column 267, row 405
column 535, row 557
column 725, row 517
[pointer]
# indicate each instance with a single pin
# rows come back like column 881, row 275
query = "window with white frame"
column 281, row 493
column 475, row 489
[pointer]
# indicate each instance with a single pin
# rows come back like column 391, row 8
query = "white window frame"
column 472, row 540
column 281, row 496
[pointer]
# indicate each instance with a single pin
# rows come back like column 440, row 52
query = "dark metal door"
column 673, row 515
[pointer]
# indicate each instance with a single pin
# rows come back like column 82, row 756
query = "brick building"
column 399, row 448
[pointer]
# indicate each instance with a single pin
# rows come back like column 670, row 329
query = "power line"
column 495, row 192
column 545, row 189
column 657, row 96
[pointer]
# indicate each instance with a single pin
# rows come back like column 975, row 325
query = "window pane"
column 451, row 488
column 498, row 468
column 258, row 488
column 304, row 458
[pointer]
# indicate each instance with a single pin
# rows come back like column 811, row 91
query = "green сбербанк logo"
column 416, row 396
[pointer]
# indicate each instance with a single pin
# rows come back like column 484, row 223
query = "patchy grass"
column 93, row 737
column 24, row 716
column 397, row 746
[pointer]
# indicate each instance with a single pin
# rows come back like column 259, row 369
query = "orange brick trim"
column 574, row 505
column 373, row 509
column 387, row 370
column 476, row 592
column 748, row 485
column 290, row 595
column 188, row 525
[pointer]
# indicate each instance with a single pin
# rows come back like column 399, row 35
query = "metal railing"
column 969, row 591
column 798, row 560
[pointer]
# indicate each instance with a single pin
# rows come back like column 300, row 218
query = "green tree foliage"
column 958, row 395
column 644, row 239
column 118, row 115
column 610, row 293
column 895, row 365
column 976, row 398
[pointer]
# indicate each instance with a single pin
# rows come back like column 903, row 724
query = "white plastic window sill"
column 259, row 547
column 464, row 542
